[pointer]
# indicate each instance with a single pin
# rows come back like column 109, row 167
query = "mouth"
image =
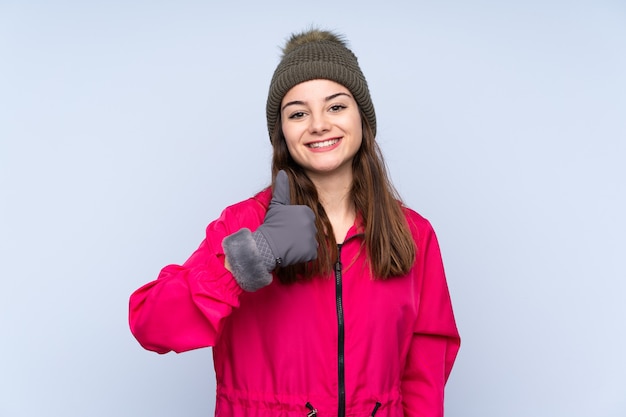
column 323, row 143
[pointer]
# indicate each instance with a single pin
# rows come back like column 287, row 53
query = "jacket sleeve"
column 435, row 341
column 185, row 307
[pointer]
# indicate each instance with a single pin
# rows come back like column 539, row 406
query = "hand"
column 288, row 231
column 286, row 237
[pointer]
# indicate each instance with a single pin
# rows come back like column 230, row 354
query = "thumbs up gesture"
column 289, row 230
column 286, row 237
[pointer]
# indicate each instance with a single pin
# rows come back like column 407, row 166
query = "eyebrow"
column 300, row 102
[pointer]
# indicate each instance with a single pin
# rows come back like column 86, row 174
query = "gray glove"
column 286, row 237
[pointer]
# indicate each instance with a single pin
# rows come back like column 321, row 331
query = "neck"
column 334, row 195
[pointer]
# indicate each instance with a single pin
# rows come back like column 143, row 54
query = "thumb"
column 280, row 194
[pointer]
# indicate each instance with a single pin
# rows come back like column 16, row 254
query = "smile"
column 323, row 144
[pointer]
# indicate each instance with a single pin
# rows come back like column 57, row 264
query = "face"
column 322, row 127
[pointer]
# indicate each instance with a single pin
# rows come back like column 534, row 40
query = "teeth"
column 323, row 144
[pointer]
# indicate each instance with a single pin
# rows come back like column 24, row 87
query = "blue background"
column 126, row 126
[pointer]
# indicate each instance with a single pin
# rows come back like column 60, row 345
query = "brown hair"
column 388, row 240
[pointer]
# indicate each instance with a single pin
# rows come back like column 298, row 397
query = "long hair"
column 390, row 247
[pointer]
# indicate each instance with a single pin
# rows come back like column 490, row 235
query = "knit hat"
column 317, row 54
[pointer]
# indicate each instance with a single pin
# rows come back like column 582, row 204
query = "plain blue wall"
column 125, row 127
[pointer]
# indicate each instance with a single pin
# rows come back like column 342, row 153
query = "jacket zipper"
column 340, row 336
column 313, row 410
column 376, row 407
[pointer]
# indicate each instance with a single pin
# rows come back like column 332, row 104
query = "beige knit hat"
column 317, row 54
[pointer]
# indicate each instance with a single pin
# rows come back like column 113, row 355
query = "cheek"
column 287, row 136
column 358, row 130
column 356, row 124
column 291, row 135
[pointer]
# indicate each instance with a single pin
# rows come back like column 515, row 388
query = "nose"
column 319, row 123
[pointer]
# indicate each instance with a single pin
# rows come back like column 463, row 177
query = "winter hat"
column 318, row 54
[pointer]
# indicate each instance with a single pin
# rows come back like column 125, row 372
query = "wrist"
column 248, row 265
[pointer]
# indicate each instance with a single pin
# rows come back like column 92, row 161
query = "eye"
column 296, row 115
column 337, row 107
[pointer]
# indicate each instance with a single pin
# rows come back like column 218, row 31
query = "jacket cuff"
column 246, row 262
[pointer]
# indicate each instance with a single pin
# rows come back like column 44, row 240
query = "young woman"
column 322, row 295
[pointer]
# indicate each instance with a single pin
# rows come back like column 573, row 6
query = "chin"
column 326, row 170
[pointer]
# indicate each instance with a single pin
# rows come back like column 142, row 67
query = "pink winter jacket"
column 342, row 345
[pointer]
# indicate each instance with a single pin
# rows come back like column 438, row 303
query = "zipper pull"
column 376, row 407
column 338, row 263
column 313, row 411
